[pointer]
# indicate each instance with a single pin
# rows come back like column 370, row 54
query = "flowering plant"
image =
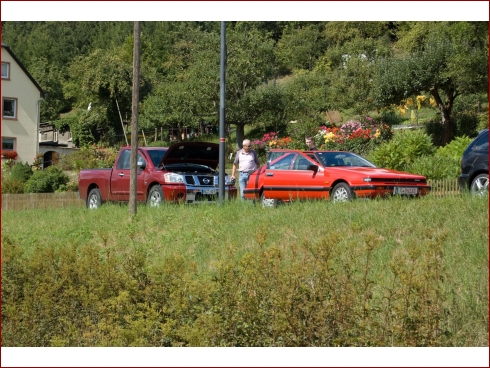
column 268, row 141
column 9, row 155
column 353, row 136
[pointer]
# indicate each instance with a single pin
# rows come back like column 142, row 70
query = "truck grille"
column 204, row 180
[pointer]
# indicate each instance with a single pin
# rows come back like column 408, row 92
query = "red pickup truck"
column 185, row 172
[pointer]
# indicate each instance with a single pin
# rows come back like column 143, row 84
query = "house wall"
column 24, row 127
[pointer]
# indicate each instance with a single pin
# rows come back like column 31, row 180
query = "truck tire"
column 94, row 200
column 155, row 196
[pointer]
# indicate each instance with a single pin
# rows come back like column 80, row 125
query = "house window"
column 5, row 70
column 9, row 108
column 8, row 144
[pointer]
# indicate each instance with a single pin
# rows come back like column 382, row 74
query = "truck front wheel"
column 155, row 196
column 94, row 199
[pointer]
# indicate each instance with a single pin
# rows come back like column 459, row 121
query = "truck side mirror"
column 141, row 165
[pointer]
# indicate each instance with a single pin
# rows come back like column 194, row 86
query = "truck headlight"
column 173, row 178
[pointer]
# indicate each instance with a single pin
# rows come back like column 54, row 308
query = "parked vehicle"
column 339, row 176
column 474, row 166
column 185, row 172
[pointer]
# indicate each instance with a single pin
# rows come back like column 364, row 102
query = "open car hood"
column 201, row 153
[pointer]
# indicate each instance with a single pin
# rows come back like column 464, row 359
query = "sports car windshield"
column 335, row 159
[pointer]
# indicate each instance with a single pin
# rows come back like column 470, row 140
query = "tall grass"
column 364, row 273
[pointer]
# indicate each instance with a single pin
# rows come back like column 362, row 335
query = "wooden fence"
column 444, row 187
column 40, row 200
column 440, row 188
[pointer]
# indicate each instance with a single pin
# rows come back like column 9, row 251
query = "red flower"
column 11, row 155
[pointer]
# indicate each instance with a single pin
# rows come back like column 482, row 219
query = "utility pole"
column 222, row 146
column 134, row 121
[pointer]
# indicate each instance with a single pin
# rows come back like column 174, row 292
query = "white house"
column 21, row 96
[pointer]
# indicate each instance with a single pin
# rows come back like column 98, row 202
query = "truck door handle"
column 269, row 174
column 121, row 174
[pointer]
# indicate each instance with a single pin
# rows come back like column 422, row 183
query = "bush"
column 455, row 148
column 465, row 123
column 69, row 187
column 159, row 144
column 403, row 149
column 390, row 117
column 21, row 172
column 46, row 181
column 435, row 167
column 482, row 122
column 89, row 158
column 12, row 186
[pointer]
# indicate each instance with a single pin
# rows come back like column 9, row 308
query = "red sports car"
column 340, row 176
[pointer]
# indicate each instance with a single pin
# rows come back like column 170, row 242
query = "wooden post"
column 134, row 121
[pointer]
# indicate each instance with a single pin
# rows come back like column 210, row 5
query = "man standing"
column 247, row 161
column 310, row 142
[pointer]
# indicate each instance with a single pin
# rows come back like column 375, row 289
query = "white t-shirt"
column 246, row 161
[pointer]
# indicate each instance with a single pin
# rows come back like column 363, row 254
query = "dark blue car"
column 474, row 166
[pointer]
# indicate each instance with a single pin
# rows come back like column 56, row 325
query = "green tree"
column 250, row 64
column 449, row 61
column 301, row 44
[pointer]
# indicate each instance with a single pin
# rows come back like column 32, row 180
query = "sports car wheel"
column 94, row 200
column 341, row 193
column 155, row 196
column 479, row 186
column 267, row 202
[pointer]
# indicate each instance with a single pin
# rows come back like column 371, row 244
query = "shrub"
column 465, row 123
column 403, row 149
column 435, row 167
column 89, row 158
column 455, row 148
column 482, row 122
column 12, row 186
column 433, row 128
column 21, row 172
column 159, row 144
column 46, row 181
column 69, row 187
column 390, row 117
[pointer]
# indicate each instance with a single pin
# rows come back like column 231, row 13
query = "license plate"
column 209, row 191
column 404, row 190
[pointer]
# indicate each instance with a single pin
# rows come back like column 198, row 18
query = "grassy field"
column 365, row 273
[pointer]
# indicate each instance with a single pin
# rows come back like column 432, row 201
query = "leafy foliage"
column 405, row 147
column 21, row 172
column 12, row 186
column 435, row 167
column 89, row 157
column 395, row 286
column 455, row 149
column 46, row 181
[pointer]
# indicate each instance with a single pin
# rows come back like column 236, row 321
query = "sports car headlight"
column 173, row 178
